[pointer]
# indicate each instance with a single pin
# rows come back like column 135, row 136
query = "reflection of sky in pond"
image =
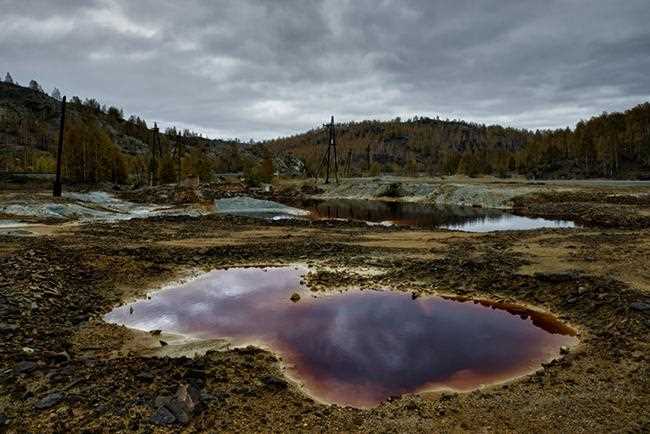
column 355, row 348
column 508, row 222
column 467, row 219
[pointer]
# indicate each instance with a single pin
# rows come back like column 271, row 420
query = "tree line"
column 609, row 145
column 101, row 145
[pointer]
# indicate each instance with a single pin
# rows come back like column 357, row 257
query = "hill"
column 615, row 145
column 101, row 145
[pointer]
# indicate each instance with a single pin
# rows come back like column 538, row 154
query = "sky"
column 267, row 68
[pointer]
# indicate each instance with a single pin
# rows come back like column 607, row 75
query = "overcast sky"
column 260, row 69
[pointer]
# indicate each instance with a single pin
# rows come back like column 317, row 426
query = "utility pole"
column 327, row 158
column 155, row 144
column 179, row 155
column 368, row 157
column 59, row 153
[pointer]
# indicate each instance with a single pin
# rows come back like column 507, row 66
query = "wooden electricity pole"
column 327, row 158
column 155, row 145
column 179, row 156
column 368, row 157
column 59, row 153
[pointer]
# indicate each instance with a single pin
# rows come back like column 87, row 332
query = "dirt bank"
column 485, row 192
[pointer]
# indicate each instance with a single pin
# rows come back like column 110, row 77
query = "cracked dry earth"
column 62, row 369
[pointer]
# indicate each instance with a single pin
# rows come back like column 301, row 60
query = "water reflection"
column 356, row 348
column 468, row 219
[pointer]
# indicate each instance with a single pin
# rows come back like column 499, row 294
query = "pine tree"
column 33, row 85
column 56, row 94
column 9, row 79
column 266, row 169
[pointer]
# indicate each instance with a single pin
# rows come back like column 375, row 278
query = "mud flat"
column 64, row 368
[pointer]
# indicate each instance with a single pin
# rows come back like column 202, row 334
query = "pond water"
column 355, row 348
column 466, row 219
column 250, row 207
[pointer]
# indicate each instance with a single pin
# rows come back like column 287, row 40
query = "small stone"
column 638, row 356
column 146, row 377
column 446, row 396
column 155, row 332
column 163, row 416
column 8, row 327
column 50, row 400
column 179, row 409
column 556, row 277
column 274, row 382
column 162, row 400
column 163, row 343
column 188, row 395
column 207, row 397
column 414, row 295
column 564, row 350
column 295, row 297
column 28, row 350
column 411, row 405
column 24, row 367
column 640, row 306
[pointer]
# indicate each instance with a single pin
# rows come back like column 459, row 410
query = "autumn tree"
column 167, row 169
column 375, row 169
column 198, row 164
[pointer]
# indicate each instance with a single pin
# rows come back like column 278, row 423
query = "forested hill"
column 613, row 145
column 101, row 145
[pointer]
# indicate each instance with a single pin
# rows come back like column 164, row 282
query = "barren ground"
column 62, row 369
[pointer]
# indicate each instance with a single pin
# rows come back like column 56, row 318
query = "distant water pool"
column 466, row 219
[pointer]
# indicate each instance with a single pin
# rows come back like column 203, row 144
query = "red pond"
column 360, row 347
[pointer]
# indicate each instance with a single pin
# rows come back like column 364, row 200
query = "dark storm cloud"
column 266, row 68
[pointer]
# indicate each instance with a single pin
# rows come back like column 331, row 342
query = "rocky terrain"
column 63, row 369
